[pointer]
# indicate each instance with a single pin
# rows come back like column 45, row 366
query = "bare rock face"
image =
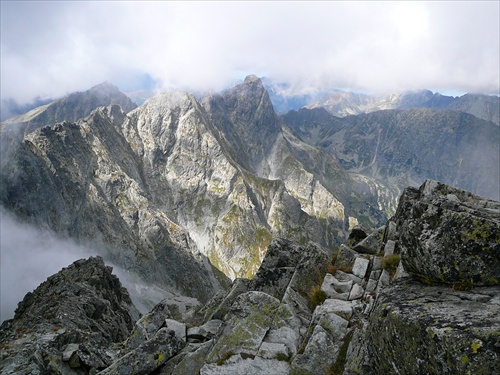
column 442, row 316
column 170, row 186
column 68, row 323
column 449, row 236
column 420, row 329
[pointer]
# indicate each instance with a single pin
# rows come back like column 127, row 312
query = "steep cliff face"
column 167, row 187
column 94, row 192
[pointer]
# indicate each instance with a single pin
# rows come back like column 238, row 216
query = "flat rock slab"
column 441, row 331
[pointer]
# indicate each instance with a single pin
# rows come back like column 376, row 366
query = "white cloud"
column 28, row 257
column 51, row 48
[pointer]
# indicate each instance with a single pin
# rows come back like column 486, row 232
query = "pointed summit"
column 253, row 79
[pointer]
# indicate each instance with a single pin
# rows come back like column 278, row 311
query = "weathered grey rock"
column 372, row 284
column 441, row 331
column 178, row 328
column 247, row 323
column 376, row 263
column 336, row 289
column 147, row 326
column 148, row 356
column 345, row 258
column 205, row 331
column 321, row 351
column 68, row 322
column 356, row 235
column 383, row 281
column 331, row 319
column 335, row 306
column 360, row 267
column 391, row 231
column 374, row 275
column 238, row 365
column 357, row 292
column 69, row 351
column 389, row 247
column 446, row 241
column 371, row 244
column 191, row 362
column 400, row 272
column 345, row 276
column 270, row 350
column 277, row 268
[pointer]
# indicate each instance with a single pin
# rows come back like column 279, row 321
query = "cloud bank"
column 49, row 49
column 28, row 257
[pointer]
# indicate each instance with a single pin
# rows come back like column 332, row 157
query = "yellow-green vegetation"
column 316, row 297
column 224, row 357
column 282, row 357
column 160, row 358
column 337, row 368
column 390, row 263
column 476, row 345
column 480, row 232
column 463, row 286
column 257, row 244
column 330, row 268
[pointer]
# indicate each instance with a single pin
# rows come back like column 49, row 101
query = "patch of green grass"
column 316, row 297
column 390, row 263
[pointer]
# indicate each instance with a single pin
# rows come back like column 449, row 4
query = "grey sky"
column 52, row 48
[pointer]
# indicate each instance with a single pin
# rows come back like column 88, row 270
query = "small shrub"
column 331, row 269
column 316, row 297
column 282, row 357
column 462, row 286
column 390, row 263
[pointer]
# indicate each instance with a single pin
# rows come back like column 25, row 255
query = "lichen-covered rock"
column 372, row 244
column 69, row 322
column 247, row 323
column 448, row 235
column 148, row 356
column 418, row 329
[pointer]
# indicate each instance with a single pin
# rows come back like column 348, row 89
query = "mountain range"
column 188, row 192
column 419, row 295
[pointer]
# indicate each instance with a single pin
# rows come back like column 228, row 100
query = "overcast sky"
column 49, row 49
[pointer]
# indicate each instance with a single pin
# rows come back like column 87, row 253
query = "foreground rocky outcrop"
column 442, row 317
column 391, row 300
column 69, row 323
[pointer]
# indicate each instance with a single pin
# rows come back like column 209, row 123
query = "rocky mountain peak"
column 70, row 108
column 68, row 322
column 252, row 79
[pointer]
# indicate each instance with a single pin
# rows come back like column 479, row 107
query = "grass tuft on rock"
column 316, row 297
column 390, row 263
